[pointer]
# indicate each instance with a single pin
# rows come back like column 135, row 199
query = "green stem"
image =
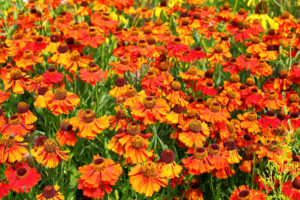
column 211, row 185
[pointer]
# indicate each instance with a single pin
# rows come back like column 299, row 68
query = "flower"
column 92, row 74
column 65, row 135
column 50, row 193
column 22, row 178
column 17, row 126
column 4, row 189
column 97, row 178
column 214, row 113
column 88, row 126
column 291, row 188
column 167, row 165
column 43, row 97
column 25, row 113
column 52, row 76
column 243, row 192
column 62, row 101
column 120, row 88
column 146, row 178
column 17, row 80
column 249, row 122
column 49, row 154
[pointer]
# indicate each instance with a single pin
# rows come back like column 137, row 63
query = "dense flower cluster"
column 166, row 94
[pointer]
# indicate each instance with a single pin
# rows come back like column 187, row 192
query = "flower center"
column 15, row 74
column 21, row 172
column 40, row 140
column 200, row 153
column 158, row 22
column 8, row 140
column 149, row 102
column 296, row 183
column 76, row 26
column 124, row 60
column 248, row 156
column 185, row 21
column 65, row 125
column 195, row 125
column 283, row 74
column 175, row 85
column 28, row 54
column 270, row 113
column 167, row 32
column 235, row 78
column 14, row 119
column 99, row 164
column 218, row 49
column 294, row 115
column 60, row 94
column 255, row 40
column 62, row 49
column 252, row 116
column 192, row 112
column 167, row 156
column 285, row 15
column 230, row 144
column 231, row 93
column 280, row 130
column 215, row 107
column 192, row 70
column 88, row 116
column 75, row 55
column 120, row 81
column 121, row 114
column 50, row 145
column 177, row 108
column 93, row 67
column 214, row 149
column 131, row 92
column 250, row 81
column 22, row 107
column 133, row 128
column 293, row 98
column 272, row 96
column 231, row 128
column 274, row 146
column 244, row 195
column 49, row 192
column 149, row 169
column 42, row 90
column 137, row 142
column 147, row 30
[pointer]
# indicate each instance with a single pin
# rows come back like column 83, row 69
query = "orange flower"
column 230, row 98
column 22, row 178
column 17, row 126
column 88, row 126
column 97, row 178
column 91, row 37
column 132, row 97
column 11, row 148
column 61, row 56
column 146, row 179
column 166, row 164
column 125, row 64
column 243, row 192
column 75, row 61
column 198, row 163
column 50, row 192
column 192, row 74
column 247, row 162
column 149, row 109
column 120, row 120
column 92, row 74
column 218, row 55
column 17, row 80
column 4, row 96
column 62, row 101
column 231, row 147
column 65, row 135
column 43, row 97
column 219, row 159
column 173, row 116
column 136, row 150
column 176, row 96
column 120, row 88
column 28, row 59
column 194, row 134
column 214, row 113
column 49, row 154
column 272, row 101
column 51, row 76
column 249, row 122
column 25, row 113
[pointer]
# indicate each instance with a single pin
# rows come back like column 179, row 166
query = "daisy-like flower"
column 149, row 109
column 249, row 122
column 75, row 61
column 136, row 150
column 198, row 163
column 270, row 120
column 173, row 116
column 247, row 162
column 4, row 96
column 22, row 178
column 146, row 178
column 50, row 193
column 167, row 165
column 11, row 148
column 218, row 55
column 62, row 101
column 214, row 113
column 17, row 126
column 92, row 74
column 273, row 101
column 49, row 154
column 17, row 80
column 132, row 97
column 25, row 113
column 43, row 97
column 88, row 125
column 65, row 135
column 194, row 134
column 28, row 59
column 193, row 74
column 231, row 147
column 230, row 98
column 291, row 189
column 243, row 192
column 176, row 96
column 97, row 178
column 120, row 88
column 4, row 189
column 92, row 37
column 51, row 76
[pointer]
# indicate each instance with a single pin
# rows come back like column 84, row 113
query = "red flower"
column 52, row 76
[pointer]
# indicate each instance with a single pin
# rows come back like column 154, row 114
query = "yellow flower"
column 264, row 19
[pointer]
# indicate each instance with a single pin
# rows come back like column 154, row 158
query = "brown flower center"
column 149, row 169
column 50, row 145
column 231, row 93
column 15, row 74
column 149, row 102
column 272, row 96
column 248, row 156
column 21, row 172
column 250, row 81
column 294, row 98
column 244, row 195
column 274, row 146
column 255, row 40
column 235, row 78
column 93, row 67
column 88, row 116
column 22, row 107
column 158, row 22
column 14, row 119
column 62, row 49
column 200, row 153
column 177, row 109
column 280, row 130
column 121, row 114
column 75, row 55
column 175, row 85
column 99, row 164
column 28, row 54
column 60, row 94
column 138, row 142
column 8, row 140
column 285, row 15
column 120, row 81
column 230, row 144
column 195, row 125
column 124, row 60
column 218, row 49
column 49, row 192
column 147, row 30
column 167, row 156
column 214, row 149
column 42, row 90
column 296, row 183
column 65, row 125
column 131, row 92
column 252, row 116
column 192, row 70
column 133, row 128
column 192, row 112
column 215, row 107
column 283, row 74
